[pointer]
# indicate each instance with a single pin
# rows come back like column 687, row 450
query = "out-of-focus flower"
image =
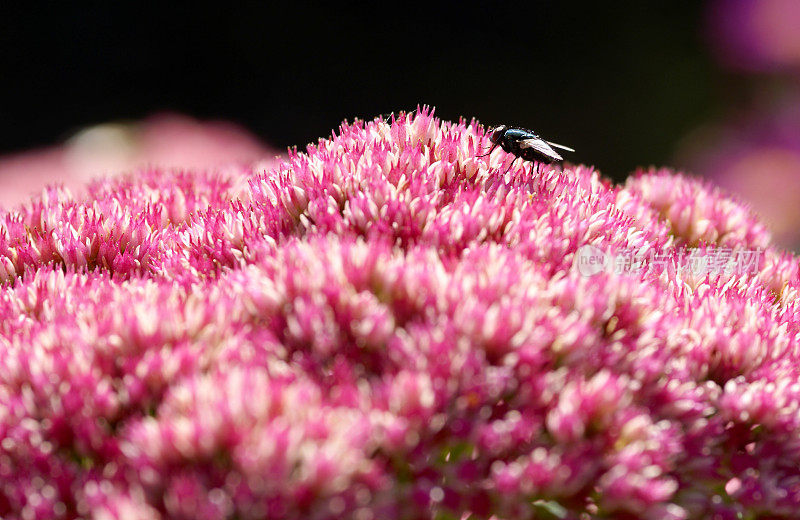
column 388, row 326
column 758, row 159
column 165, row 141
column 754, row 151
column 756, row 35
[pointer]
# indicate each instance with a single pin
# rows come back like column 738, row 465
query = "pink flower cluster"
column 390, row 327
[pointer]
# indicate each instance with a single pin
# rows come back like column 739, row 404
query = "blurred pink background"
column 753, row 149
column 164, row 140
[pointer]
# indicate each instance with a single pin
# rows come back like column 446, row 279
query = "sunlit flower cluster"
column 388, row 326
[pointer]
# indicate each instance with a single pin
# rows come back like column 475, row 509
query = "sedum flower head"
column 388, row 326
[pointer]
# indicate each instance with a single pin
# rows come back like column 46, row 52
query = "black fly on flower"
column 525, row 144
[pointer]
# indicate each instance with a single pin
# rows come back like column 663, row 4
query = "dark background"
column 621, row 82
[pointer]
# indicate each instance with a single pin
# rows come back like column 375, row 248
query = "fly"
column 525, row 144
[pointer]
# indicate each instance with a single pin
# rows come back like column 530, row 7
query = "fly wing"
column 542, row 147
column 567, row 148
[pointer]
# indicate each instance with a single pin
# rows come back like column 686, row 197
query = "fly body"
column 525, row 144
